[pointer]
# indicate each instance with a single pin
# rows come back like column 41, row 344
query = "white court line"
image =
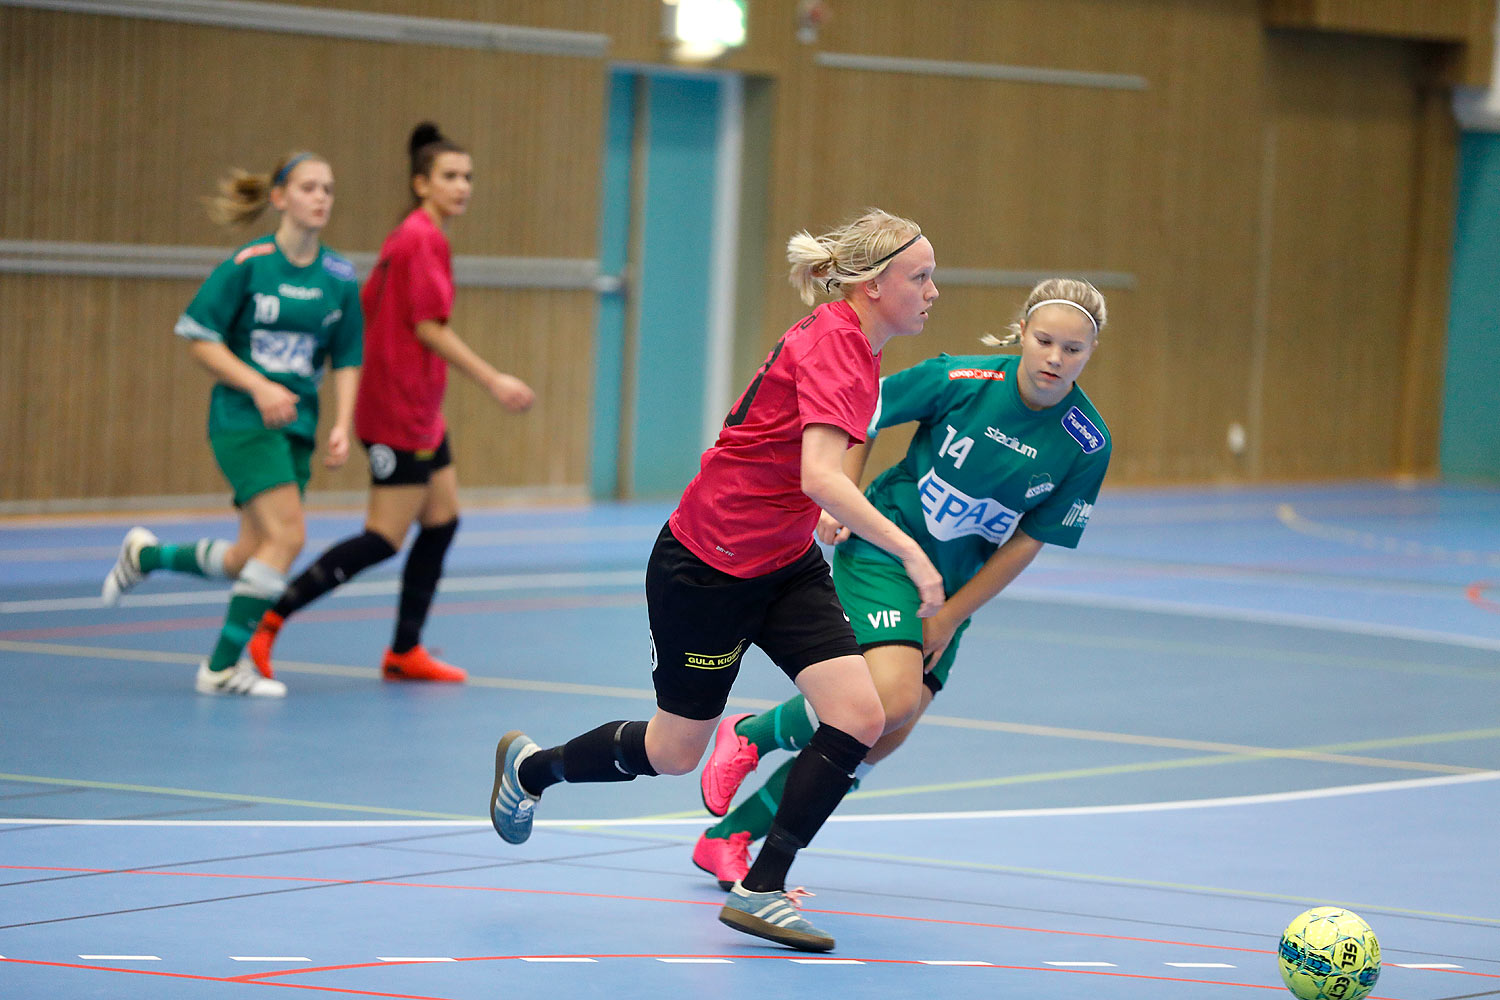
column 1137, row 807
column 936, row 962
column 695, row 961
column 314, row 543
column 1423, row 965
column 402, row 958
column 375, row 588
column 1106, row 965
column 1199, row 965
column 559, row 959
column 269, row 958
column 120, row 958
column 1111, row 602
column 621, row 578
column 827, row 961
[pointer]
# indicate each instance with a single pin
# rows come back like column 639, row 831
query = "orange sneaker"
column 416, row 664
column 259, row 646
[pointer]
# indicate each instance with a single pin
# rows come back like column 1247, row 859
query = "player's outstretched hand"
column 829, row 530
column 277, row 404
column 511, row 393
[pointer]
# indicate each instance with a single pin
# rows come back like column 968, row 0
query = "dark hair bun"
column 424, row 134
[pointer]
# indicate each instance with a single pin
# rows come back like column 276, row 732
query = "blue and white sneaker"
column 511, row 805
column 127, row 572
column 773, row 916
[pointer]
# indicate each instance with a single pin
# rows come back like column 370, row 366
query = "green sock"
column 785, row 727
column 179, row 558
column 755, row 813
column 239, row 624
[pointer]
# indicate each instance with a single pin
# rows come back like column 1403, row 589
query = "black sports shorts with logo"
column 703, row 620
column 394, row 467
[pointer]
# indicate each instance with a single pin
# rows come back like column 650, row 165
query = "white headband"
column 1065, row 302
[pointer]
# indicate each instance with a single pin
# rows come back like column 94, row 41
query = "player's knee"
column 675, row 759
column 900, row 702
column 866, row 722
column 287, row 536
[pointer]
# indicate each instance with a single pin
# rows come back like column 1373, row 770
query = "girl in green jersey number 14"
column 1008, row 455
column 265, row 324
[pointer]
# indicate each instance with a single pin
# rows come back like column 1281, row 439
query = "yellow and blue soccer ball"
column 1329, row 953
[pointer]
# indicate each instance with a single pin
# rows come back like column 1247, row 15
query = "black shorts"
column 394, row 467
column 703, row 620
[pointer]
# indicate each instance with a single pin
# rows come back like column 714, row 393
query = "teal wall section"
column 614, row 248
column 1471, row 395
column 671, row 290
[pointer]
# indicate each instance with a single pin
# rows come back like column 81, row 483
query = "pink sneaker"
column 726, row 860
column 732, row 758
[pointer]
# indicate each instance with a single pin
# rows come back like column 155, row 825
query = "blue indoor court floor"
column 1225, row 707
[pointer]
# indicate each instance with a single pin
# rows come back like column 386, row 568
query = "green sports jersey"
column 982, row 463
column 284, row 321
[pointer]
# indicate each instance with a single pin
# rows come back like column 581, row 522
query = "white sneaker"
column 242, row 678
column 127, row 569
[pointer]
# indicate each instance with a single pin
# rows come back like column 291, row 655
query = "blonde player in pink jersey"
column 736, row 564
column 409, row 344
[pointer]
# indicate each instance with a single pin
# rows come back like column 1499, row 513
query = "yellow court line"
column 193, row 793
column 1258, row 654
column 1322, row 754
column 1142, row 883
column 1219, row 753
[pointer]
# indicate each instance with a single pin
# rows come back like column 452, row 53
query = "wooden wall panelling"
column 1467, row 25
column 1343, row 116
column 128, row 122
column 1272, row 193
column 1419, row 416
column 137, row 120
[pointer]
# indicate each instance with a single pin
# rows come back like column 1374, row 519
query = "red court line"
column 252, row 980
column 1475, row 593
column 220, row 979
column 340, row 615
column 935, row 921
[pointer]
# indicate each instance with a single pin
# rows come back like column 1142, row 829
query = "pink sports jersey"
column 401, row 389
column 745, row 512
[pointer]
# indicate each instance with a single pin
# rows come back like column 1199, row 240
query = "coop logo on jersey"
column 985, row 373
column 1014, row 444
column 382, row 461
column 951, row 513
column 1078, row 515
column 333, row 317
column 283, row 352
column 1082, row 430
column 1039, row 484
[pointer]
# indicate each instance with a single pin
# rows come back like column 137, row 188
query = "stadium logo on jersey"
column 338, row 267
column 951, row 513
column 298, row 292
column 1039, row 484
column 984, row 373
column 382, row 461
column 1078, row 515
column 1082, row 430
column 1014, row 444
column 255, row 250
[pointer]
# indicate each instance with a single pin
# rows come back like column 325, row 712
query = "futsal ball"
column 1329, row 953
